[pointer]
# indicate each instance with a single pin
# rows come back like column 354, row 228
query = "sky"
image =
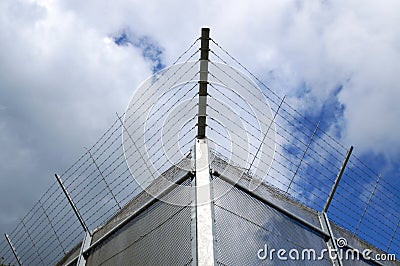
column 66, row 67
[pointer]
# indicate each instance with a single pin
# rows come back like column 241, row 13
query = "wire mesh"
column 306, row 160
column 99, row 183
column 139, row 242
column 251, row 127
column 244, row 226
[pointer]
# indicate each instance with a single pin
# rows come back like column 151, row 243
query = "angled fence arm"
column 337, row 180
column 13, row 249
column 331, row 241
column 76, row 211
column 85, row 244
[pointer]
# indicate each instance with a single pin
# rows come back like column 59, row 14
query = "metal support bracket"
column 330, row 242
column 85, row 244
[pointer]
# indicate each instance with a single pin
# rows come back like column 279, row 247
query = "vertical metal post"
column 202, row 114
column 193, row 220
column 85, row 228
column 205, row 253
column 338, row 177
column 13, row 249
column 331, row 242
column 85, row 245
column 204, row 212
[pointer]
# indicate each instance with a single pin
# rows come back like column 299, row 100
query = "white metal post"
column 85, row 244
column 205, row 254
column 204, row 215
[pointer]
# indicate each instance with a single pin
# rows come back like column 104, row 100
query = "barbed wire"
column 328, row 154
column 304, row 163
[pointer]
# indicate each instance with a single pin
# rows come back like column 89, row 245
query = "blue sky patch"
column 149, row 48
column 329, row 114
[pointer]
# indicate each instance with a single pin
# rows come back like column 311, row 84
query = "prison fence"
column 253, row 128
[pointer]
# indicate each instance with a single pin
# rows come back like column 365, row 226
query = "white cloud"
column 62, row 78
column 62, row 86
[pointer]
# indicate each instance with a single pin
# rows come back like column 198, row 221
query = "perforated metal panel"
column 245, row 225
column 266, row 191
column 160, row 235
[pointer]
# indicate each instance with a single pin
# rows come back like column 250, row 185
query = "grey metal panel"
column 268, row 192
column 173, row 174
column 160, row 235
column 244, row 225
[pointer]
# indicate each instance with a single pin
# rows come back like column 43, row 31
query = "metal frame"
column 168, row 189
column 85, row 244
column 331, row 242
column 133, row 215
column 193, row 224
column 273, row 205
column 193, row 227
column 204, row 213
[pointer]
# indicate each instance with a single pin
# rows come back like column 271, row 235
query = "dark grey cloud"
column 60, row 86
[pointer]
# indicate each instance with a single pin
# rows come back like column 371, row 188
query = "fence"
column 256, row 130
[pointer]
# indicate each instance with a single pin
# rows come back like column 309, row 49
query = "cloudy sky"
column 66, row 67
